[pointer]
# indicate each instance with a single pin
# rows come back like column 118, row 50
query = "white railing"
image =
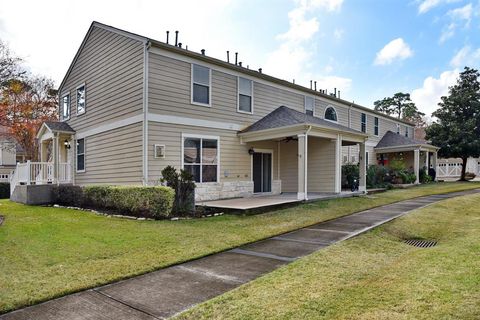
column 40, row 173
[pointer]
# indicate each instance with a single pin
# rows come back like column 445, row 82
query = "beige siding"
column 111, row 67
column 289, row 166
column 113, row 157
column 321, row 165
column 235, row 162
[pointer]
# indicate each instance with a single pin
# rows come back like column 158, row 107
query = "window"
column 65, row 112
column 353, row 159
column 309, row 105
column 80, row 155
column 159, row 151
column 345, row 159
column 81, row 103
column 364, row 123
column 375, row 126
column 331, row 114
column 245, row 101
column 200, row 85
column 406, row 131
column 200, row 158
column 398, row 129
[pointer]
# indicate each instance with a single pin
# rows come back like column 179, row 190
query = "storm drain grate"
column 421, row 243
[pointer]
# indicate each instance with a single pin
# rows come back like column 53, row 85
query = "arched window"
column 331, row 114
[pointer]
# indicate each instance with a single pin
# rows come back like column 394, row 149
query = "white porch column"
column 416, row 165
column 302, row 162
column 427, row 160
column 55, row 150
column 362, row 186
column 338, row 164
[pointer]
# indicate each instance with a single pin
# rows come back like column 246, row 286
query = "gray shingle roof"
column 391, row 139
column 284, row 116
column 59, row 126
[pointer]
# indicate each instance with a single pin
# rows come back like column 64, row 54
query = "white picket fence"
column 29, row 173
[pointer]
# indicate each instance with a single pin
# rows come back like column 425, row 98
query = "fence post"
column 29, row 178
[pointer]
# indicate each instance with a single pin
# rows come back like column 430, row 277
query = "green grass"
column 47, row 252
column 375, row 275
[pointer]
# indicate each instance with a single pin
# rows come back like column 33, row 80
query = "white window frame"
column 238, row 95
column 376, row 126
column 84, row 155
column 69, row 106
column 155, row 155
column 305, row 104
column 325, row 112
column 209, row 86
column 76, row 99
column 366, row 122
column 207, row 137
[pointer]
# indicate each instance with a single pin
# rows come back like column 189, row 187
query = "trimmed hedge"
column 4, row 190
column 148, row 202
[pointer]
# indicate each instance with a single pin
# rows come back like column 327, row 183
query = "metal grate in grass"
column 421, row 243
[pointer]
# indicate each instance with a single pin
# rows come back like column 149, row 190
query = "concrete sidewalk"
column 164, row 293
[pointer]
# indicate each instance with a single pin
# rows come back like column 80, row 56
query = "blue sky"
column 367, row 49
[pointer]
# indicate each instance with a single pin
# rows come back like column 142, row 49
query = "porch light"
column 251, row 151
column 66, row 143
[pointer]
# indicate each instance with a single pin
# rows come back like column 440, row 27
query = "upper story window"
column 364, row 122
column 81, row 100
column 200, row 158
column 245, row 95
column 309, row 105
column 375, row 126
column 398, row 129
column 65, row 109
column 406, row 131
column 331, row 114
column 80, row 155
column 201, row 83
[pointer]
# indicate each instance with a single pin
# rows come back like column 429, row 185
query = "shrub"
column 149, row 202
column 68, row 195
column 350, row 172
column 4, row 190
column 397, row 165
column 377, row 176
column 184, row 187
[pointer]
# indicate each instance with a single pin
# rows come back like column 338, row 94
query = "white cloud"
column 466, row 57
column 427, row 5
column 458, row 17
column 447, row 32
column 462, row 13
column 428, row 96
column 292, row 58
column 396, row 49
column 338, row 34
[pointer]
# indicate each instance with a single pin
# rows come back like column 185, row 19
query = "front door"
column 262, row 172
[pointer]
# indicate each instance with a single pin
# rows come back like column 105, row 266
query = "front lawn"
column 375, row 275
column 47, row 252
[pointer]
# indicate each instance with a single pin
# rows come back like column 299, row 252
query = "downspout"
column 145, row 113
column 306, row 162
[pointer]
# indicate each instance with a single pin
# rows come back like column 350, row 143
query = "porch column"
column 302, row 179
column 55, row 157
column 338, row 164
column 416, row 165
column 362, row 186
column 427, row 160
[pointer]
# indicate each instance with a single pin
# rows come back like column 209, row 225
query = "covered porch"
column 415, row 154
column 306, row 151
column 55, row 155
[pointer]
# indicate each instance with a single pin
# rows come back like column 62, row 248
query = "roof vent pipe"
column 228, row 56
column 260, row 70
column 203, row 51
column 334, row 92
column 240, row 63
column 315, row 85
column 293, row 81
column 236, row 58
column 167, row 36
column 179, row 44
column 176, row 38
column 338, row 94
column 310, row 84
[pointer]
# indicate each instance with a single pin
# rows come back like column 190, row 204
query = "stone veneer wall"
column 225, row 190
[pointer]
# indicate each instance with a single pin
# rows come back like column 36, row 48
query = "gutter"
column 145, row 112
column 306, row 162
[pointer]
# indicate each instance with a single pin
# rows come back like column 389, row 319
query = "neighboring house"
column 10, row 153
column 130, row 106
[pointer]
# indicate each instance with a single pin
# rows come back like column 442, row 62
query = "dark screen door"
column 262, row 172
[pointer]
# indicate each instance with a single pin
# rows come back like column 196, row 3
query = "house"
column 10, row 153
column 131, row 105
